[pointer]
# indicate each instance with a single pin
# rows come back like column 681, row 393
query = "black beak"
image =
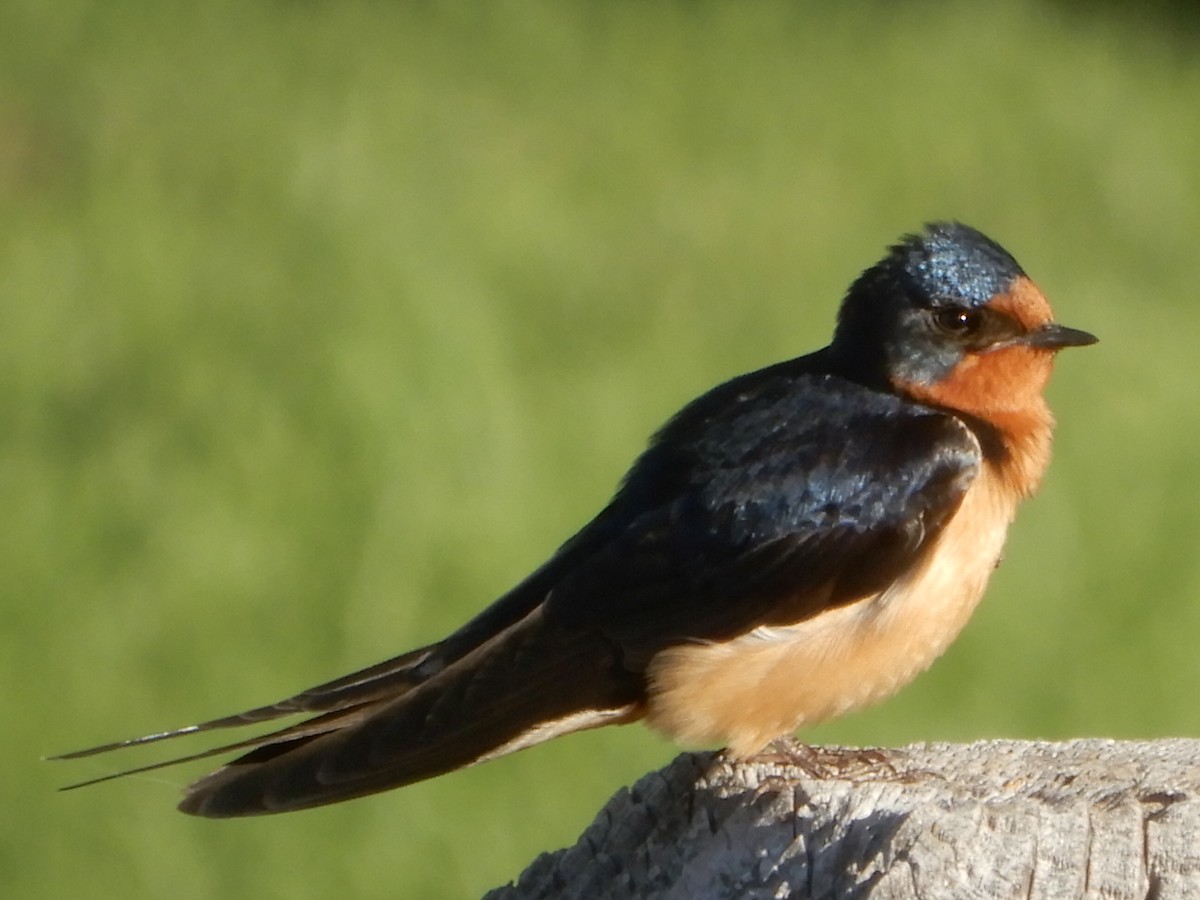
column 1055, row 337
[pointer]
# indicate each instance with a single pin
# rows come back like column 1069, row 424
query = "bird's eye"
column 958, row 321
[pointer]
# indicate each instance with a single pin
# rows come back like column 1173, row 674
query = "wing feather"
column 777, row 510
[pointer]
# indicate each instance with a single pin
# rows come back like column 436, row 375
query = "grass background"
column 324, row 323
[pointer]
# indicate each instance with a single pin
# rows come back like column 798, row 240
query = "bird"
column 793, row 545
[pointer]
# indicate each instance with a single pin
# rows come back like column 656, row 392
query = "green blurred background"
column 324, row 323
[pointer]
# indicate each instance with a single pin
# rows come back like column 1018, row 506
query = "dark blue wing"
column 762, row 503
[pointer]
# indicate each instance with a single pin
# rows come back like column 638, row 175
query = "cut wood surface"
column 1084, row 818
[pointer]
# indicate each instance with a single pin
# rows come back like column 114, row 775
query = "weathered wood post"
column 1086, row 818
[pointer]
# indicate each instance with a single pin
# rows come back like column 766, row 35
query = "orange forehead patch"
column 1025, row 303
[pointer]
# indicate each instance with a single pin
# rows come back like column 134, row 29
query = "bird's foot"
column 842, row 763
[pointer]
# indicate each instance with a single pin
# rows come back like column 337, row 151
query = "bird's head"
column 948, row 317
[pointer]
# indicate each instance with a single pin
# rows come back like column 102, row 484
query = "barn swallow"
column 793, row 545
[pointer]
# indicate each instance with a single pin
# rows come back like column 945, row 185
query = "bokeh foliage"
column 324, row 322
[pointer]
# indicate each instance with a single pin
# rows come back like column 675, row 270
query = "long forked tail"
column 339, row 701
column 528, row 684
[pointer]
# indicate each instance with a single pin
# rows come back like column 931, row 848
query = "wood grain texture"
column 995, row 819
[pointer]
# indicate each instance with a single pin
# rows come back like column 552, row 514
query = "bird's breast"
column 771, row 681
